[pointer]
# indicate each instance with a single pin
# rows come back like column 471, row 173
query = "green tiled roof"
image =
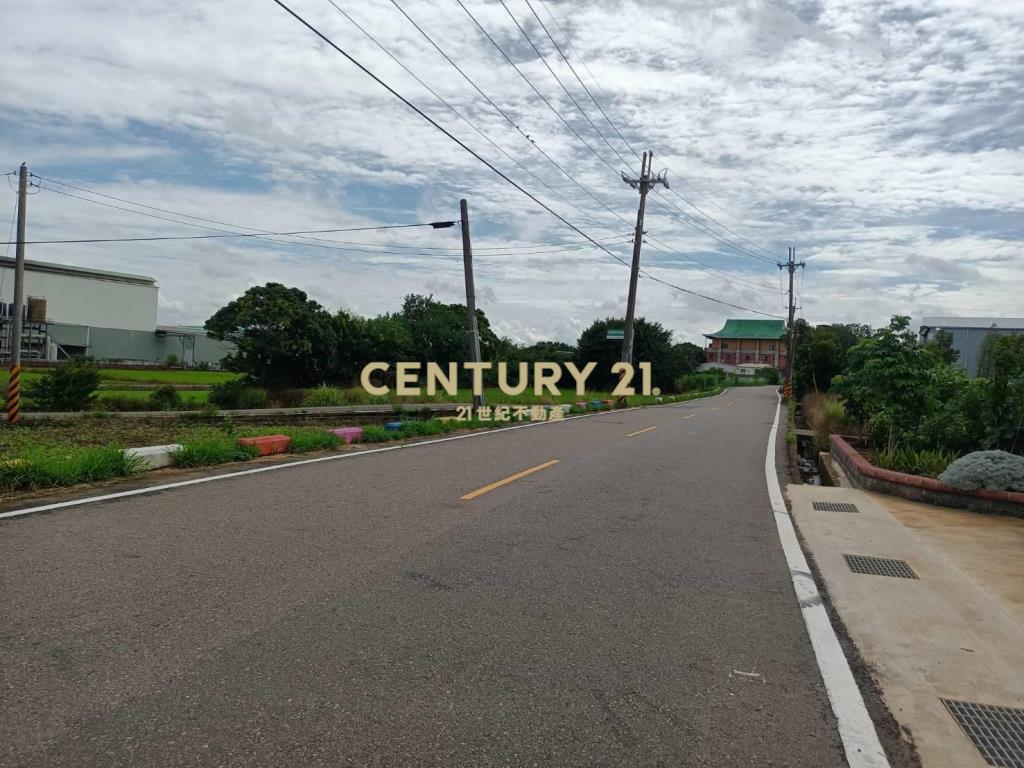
column 750, row 329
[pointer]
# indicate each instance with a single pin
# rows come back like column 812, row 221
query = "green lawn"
column 187, row 396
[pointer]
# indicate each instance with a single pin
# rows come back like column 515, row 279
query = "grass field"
column 134, row 376
column 198, row 396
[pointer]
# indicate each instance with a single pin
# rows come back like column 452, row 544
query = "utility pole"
column 14, row 382
column 471, row 325
column 791, row 265
column 643, row 184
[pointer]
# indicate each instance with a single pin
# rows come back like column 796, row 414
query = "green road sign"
column 618, row 334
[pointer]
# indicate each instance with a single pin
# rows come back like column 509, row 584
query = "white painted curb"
column 154, row 456
column 860, row 741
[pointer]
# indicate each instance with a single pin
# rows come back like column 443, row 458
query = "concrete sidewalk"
column 956, row 632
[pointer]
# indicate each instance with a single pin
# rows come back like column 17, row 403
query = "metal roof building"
column 111, row 316
column 968, row 334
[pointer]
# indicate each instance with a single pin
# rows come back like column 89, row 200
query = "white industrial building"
column 968, row 334
column 110, row 316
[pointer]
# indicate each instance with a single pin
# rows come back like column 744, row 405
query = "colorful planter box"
column 609, row 403
column 595, row 404
column 393, row 426
column 581, row 404
column 349, row 434
column 268, row 444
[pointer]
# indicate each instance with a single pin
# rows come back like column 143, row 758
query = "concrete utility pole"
column 643, row 184
column 14, row 382
column 791, row 265
column 471, row 324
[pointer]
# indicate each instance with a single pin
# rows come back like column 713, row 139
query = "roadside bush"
column 700, row 381
column 68, row 387
column 238, row 394
column 287, row 398
column 211, row 450
column 48, row 468
column 826, row 415
column 165, row 398
column 172, row 361
column 991, row 470
column 925, row 463
column 324, row 397
column 120, row 403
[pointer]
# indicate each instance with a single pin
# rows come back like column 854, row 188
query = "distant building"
column 746, row 346
column 111, row 316
column 968, row 334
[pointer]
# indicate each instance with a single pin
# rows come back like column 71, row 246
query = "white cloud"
column 873, row 135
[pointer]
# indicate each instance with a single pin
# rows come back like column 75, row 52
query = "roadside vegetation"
column 914, row 407
column 51, row 454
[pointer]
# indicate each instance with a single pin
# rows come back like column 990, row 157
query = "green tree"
column 651, row 343
column 942, row 347
column 821, row 354
column 281, row 338
column 438, row 331
column 1001, row 366
column 886, row 381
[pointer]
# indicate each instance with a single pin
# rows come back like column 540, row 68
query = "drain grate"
column 835, row 506
column 997, row 732
column 880, row 566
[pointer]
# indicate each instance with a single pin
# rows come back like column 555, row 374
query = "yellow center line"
column 640, row 431
column 690, row 416
column 509, row 479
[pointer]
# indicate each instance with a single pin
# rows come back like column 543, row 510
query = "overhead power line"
column 619, row 133
column 259, row 231
column 475, row 154
column 557, row 78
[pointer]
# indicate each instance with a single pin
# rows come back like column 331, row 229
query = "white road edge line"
column 860, row 740
column 317, row 460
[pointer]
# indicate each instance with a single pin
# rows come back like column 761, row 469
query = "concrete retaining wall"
column 868, row 477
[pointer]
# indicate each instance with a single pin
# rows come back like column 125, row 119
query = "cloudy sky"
column 885, row 140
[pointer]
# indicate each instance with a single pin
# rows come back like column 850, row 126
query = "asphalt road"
column 629, row 605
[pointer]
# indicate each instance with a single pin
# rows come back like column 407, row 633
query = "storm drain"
column 835, row 506
column 880, row 566
column 997, row 732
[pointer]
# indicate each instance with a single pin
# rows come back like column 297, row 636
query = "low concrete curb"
column 154, row 456
column 864, row 475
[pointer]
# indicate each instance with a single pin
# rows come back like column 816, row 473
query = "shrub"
column 211, row 450
column 914, row 462
column 236, row 394
column 826, row 415
column 47, row 468
column 165, row 398
column 287, row 398
column 324, row 397
column 68, row 387
column 305, row 440
column 991, row 470
column 121, row 403
column 171, row 361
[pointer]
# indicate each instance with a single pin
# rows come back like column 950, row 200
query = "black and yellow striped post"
column 14, row 395
column 787, row 390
